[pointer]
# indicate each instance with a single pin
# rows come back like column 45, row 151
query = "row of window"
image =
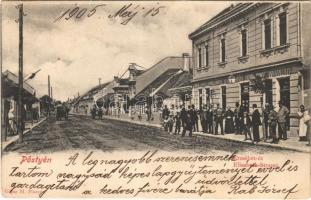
column 281, row 32
column 245, row 89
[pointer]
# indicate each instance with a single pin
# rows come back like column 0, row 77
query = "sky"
column 96, row 42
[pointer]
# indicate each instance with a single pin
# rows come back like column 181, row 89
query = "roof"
column 170, row 79
column 157, row 83
column 14, row 78
column 10, row 88
column 90, row 93
column 221, row 17
column 179, row 80
column 150, row 75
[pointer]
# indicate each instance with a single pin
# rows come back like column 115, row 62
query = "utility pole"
column 49, row 86
column 51, row 92
column 20, row 119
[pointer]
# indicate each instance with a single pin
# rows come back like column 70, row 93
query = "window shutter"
column 241, row 43
column 277, row 21
column 220, row 50
column 203, row 56
column 263, row 35
column 198, row 58
column 272, row 32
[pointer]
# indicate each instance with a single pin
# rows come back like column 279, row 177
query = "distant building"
column 84, row 103
column 152, row 86
column 254, row 53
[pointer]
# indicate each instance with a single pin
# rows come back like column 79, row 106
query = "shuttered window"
column 267, row 32
column 283, row 28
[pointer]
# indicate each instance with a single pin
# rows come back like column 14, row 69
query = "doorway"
column 245, row 95
column 285, row 95
column 200, row 99
column 268, row 92
column 208, row 97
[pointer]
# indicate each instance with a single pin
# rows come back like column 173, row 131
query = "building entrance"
column 268, row 92
column 245, row 95
column 285, row 95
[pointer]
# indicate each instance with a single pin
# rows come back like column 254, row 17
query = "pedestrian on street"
column 165, row 112
column 203, row 119
column 93, row 112
column 266, row 112
column 304, row 119
column 238, row 115
column 170, row 123
column 188, row 125
column 183, row 117
column 219, row 120
column 177, row 120
column 229, row 125
column 193, row 117
column 210, row 119
column 245, row 125
column 100, row 113
column 273, row 117
column 282, row 116
column 256, row 122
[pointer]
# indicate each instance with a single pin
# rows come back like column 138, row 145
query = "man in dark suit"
column 165, row 112
column 183, row 117
column 203, row 119
column 238, row 114
column 193, row 116
column 210, row 119
column 219, row 120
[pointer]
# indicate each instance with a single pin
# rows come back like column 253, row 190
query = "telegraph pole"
column 20, row 119
column 49, row 86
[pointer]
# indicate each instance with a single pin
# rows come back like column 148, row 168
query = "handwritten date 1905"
column 126, row 13
column 78, row 13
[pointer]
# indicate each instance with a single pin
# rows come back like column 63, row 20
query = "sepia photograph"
column 156, row 99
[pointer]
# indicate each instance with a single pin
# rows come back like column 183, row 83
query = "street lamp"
column 31, row 76
column 231, row 79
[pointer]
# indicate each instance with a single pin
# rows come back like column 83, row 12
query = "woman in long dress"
column 229, row 125
column 256, row 122
column 304, row 117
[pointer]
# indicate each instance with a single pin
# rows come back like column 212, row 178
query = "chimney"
column 186, row 62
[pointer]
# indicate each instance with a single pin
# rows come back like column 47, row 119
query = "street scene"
column 83, row 133
column 238, row 79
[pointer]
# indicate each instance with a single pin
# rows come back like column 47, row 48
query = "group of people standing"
column 216, row 120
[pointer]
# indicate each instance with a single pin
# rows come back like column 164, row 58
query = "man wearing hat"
column 203, row 119
column 273, row 116
column 282, row 116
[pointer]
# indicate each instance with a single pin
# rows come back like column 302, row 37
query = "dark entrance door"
column 268, row 90
column 245, row 95
column 200, row 99
column 285, row 95
column 208, row 96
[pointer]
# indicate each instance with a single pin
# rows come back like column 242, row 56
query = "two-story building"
column 253, row 53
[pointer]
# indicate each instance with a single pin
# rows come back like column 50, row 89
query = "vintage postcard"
column 155, row 99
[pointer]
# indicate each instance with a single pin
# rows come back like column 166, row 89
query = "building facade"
column 252, row 53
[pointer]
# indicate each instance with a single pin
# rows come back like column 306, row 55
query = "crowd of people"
column 216, row 120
